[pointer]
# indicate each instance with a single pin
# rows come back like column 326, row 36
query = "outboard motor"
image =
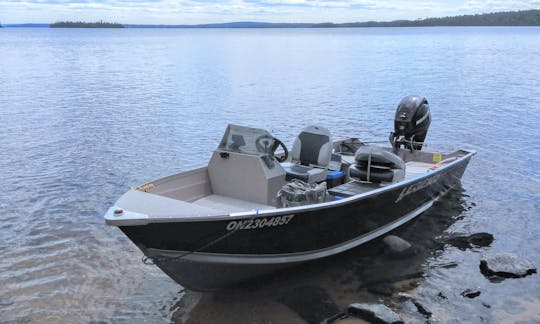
column 411, row 123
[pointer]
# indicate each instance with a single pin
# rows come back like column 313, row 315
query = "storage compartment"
column 334, row 178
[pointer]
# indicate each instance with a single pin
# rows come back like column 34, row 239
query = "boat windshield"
column 246, row 140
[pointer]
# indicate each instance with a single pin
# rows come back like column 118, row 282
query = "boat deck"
column 224, row 204
column 415, row 169
column 229, row 205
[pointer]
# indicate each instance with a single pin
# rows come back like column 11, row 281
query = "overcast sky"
column 212, row 11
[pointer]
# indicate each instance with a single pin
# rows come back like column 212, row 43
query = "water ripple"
column 88, row 113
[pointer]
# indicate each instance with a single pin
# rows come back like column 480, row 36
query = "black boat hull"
column 212, row 254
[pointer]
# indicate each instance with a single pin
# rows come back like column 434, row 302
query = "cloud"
column 203, row 11
column 499, row 5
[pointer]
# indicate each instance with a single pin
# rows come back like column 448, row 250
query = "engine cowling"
column 411, row 123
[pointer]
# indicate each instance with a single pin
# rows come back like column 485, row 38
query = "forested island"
column 80, row 24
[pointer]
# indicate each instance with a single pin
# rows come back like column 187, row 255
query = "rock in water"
column 473, row 240
column 5, row 302
column 311, row 303
column 396, row 244
column 408, row 300
column 374, row 313
column 383, row 288
column 471, row 293
column 481, row 239
column 506, row 265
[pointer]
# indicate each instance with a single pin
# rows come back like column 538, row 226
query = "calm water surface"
column 88, row 113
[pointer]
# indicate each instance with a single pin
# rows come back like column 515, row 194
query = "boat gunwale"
column 291, row 210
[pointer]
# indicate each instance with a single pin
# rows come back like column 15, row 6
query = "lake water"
column 87, row 113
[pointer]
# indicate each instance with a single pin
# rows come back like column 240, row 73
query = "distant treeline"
column 80, row 24
column 508, row 18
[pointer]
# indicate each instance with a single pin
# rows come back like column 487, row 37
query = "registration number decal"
column 259, row 223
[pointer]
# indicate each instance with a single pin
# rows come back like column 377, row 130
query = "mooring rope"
column 150, row 260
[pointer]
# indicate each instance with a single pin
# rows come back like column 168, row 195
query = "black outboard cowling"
column 411, row 123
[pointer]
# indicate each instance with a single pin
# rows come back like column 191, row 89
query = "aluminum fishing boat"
column 251, row 211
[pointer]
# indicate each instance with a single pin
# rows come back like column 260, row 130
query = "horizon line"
column 179, row 25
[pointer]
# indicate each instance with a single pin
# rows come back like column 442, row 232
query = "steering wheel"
column 278, row 143
column 262, row 142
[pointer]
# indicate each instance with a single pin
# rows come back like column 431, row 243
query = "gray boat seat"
column 310, row 155
column 377, row 165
